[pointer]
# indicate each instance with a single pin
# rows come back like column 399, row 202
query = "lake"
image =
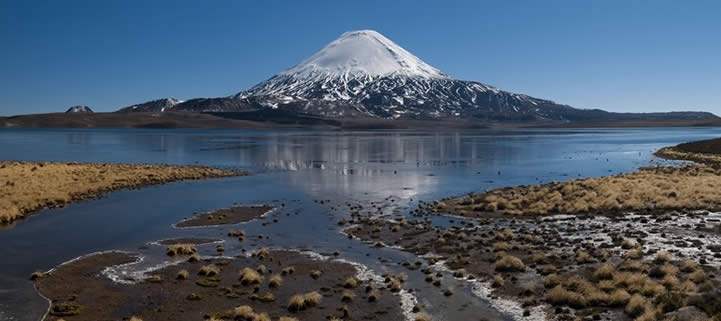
column 295, row 168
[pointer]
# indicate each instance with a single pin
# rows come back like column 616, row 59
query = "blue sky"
column 615, row 55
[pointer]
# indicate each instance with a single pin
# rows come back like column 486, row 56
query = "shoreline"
column 685, row 187
column 27, row 188
column 251, row 120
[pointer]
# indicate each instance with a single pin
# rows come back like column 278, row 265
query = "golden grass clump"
column 653, row 289
column 548, row 269
column 243, row 312
column 627, row 244
column 263, row 297
column 636, row 305
column 249, row 276
column 301, row 302
column 347, row 296
column 560, row 296
column 634, row 266
column 539, row 258
column 209, row 270
column 37, row 275
column 504, row 235
column 582, row 257
column 497, row 281
column 236, row 233
column 182, row 275
column 287, row 318
column 669, row 270
column 275, row 281
column 619, row 297
column 634, row 254
column 606, row 285
column 697, row 276
column 509, row 263
column 261, row 253
column 181, row 249
column 501, row 246
column 31, row 186
column 552, row 280
column 662, row 257
column 287, row 270
column 350, row 283
column 315, row 274
column 671, row 282
column 422, row 316
column 373, row 295
column 261, row 317
column 155, row 278
column 689, row 266
column 604, row 272
column 688, row 286
column 633, row 282
column 134, row 318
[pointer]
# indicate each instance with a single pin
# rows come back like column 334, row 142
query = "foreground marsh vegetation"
column 26, row 187
column 661, row 263
column 241, row 288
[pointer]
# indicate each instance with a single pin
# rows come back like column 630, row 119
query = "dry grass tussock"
column 209, row 270
column 275, row 281
column 250, row 276
column 26, row 187
column 181, row 249
column 686, row 187
column 509, row 263
column 245, row 312
column 304, row 301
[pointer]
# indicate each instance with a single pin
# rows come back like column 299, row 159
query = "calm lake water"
column 296, row 168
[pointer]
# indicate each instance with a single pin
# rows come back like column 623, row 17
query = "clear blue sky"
column 626, row 55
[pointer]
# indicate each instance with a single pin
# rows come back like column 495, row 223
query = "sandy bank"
column 26, row 187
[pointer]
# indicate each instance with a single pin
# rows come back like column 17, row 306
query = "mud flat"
column 231, row 215
column 27, row 187
column 634, row 267
column 268, row 285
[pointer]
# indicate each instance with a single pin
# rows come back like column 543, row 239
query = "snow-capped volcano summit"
column 363, row 73
column 363, row 53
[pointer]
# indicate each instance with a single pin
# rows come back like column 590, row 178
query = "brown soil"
column 165, row 297
column 27, row 187
column 231, row 215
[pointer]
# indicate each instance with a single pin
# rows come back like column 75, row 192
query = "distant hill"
column 79, row 109
column 158, row 105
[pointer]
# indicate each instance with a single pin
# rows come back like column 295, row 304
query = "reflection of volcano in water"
column 354, row 155
column 378, row 165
